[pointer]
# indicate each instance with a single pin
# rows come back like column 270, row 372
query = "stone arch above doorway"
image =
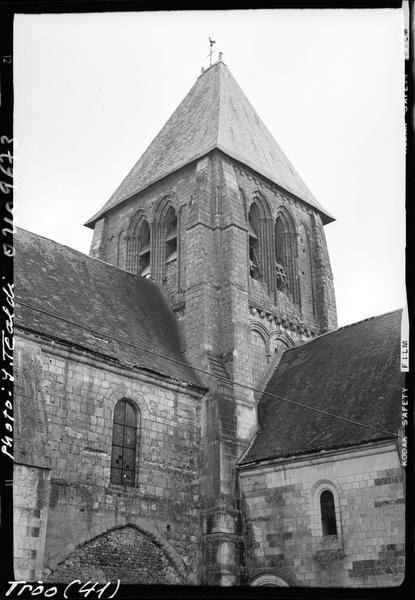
column 125, row 553
column 269, row 579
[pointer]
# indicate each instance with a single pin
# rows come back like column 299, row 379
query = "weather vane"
column 211, row 42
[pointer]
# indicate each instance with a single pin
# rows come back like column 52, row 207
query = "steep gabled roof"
column 115, row 312
column 353, row 372
column 214, row 114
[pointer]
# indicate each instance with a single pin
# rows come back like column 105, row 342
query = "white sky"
column 92, row 91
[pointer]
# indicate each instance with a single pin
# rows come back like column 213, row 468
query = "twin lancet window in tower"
column 124, row 443
column 273, row 243
column 139, row 257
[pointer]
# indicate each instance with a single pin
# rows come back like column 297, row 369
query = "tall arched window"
column 305, row 266
column 254, row 248
column 286, row 256
column 260, row 246
column 328, row 513
column 124, row 443
column 138, row 247
column 144, row 249
column 281, row 259
column 171, row 235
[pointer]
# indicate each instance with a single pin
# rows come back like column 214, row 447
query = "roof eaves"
column 326, row 216
column 109, row 357
column 343, row 327
column 317, row 450
column 87, row 256
column 91, row 222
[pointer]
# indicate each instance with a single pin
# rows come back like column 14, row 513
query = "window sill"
column 116, row 487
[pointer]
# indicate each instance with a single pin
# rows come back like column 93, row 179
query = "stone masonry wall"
column 31, row 472
column 283, row 520
column 259, row 356
column 30, row 512
column 80, row 394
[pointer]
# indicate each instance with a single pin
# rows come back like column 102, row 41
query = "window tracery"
column 124, row 443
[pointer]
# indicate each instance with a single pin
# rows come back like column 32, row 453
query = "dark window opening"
column 124, row 443
column 328, row 513
column 144, row 249
column 253, row 229
column 171, row 235
column 281, row 256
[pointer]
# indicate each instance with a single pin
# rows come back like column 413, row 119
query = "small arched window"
column 328, row 513
column 253, row 232
column 124, row 443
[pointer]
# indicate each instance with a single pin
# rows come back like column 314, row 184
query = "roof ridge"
column 349, row 325
column 389, row 312
column 84, row 255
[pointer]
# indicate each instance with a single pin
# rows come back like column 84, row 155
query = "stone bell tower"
column 217, row 216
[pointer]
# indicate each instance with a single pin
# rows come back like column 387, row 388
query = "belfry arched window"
column 328, row 513
column 305, row 266
column 254, row 246
column 286, row 256
column 124, row 443
column 144, row 249
column 170, row 235
column 138, row 247
column 260, row 246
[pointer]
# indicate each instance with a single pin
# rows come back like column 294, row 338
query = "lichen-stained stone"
column 125, row 554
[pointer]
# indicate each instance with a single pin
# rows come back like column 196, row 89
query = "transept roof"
column 353, row 372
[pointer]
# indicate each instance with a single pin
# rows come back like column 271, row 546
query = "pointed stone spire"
column 214, row 114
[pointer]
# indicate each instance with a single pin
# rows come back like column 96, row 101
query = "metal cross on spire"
column 212, row 43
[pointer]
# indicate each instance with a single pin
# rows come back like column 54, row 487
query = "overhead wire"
column 217, row 377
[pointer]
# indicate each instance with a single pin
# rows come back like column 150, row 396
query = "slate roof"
column 96, row 296
column 214, row 114
column 353, row 372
